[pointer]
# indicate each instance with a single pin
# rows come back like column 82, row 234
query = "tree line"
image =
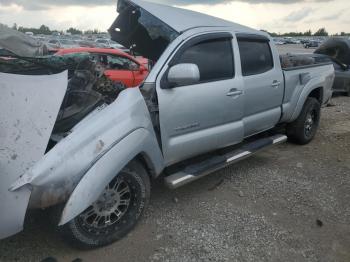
column 320, row 32
column 45, row 30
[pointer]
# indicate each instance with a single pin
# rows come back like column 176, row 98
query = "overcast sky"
column 272, row 15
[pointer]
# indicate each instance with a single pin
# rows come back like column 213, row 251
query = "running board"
column 201, row 169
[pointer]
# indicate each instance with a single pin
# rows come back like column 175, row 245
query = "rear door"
column 198, row 118
column 263, row 83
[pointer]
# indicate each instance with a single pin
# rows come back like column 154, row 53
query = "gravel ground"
column 289, row 203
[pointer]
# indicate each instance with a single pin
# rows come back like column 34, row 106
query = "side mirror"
column 183, row 74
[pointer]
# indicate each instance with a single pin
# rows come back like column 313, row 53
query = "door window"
column 214, row 59
column 256, row 56
column 122, row 63
column 116, row 62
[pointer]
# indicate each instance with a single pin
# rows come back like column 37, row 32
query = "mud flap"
column 28, row 109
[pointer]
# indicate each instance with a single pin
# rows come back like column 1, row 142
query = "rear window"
column 214, row 59
column 256, row 56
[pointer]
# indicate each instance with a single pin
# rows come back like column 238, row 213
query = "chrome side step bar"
column 201, row 169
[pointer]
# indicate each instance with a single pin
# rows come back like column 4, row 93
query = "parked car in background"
column 338, row 51
column 107, row 43
column 119, row 66
column 342, row 78
column 278, row 41
column 29, row 33
column 61, row 43
column 309, row 44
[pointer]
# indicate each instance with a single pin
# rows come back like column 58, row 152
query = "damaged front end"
column 42, row 99
column 61, row 117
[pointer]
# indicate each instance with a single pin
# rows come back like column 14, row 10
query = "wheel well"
column 146, row 162
column 317, row 93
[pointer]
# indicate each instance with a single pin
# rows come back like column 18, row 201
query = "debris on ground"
column 319, row 223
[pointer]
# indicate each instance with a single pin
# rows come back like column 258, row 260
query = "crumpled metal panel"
column 337, row 48
column 21, row 44
column 29, row 106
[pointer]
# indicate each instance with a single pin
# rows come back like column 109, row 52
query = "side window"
column 214, row 59
column 119, row 63
column 256, row 56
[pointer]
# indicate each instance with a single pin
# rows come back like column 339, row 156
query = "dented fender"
column 107, row 167
column 57, row 174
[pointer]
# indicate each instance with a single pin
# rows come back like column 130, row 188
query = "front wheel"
column 115, row 213
column 304, row 128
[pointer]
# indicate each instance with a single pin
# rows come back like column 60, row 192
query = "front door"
column 198, row 118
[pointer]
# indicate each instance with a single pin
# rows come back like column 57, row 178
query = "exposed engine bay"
column 88, row 88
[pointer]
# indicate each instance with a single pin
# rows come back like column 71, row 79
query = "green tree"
column 308, row 33
column 74, row 31
column 43, row 29
column 321, row 32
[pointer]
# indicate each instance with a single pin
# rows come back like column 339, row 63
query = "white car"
column 109, row 43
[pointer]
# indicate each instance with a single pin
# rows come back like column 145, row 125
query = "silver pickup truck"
column 214, row 91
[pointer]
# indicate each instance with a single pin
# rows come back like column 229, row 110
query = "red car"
column 119, row 65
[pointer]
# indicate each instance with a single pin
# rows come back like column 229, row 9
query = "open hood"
column 148, row 27
column 337, row 48
column 140, row 31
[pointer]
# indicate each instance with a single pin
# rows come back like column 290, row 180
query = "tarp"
column 21, row 44
column 29, row 106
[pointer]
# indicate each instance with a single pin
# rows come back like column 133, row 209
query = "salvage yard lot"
column 294, row 49
column 289, row 203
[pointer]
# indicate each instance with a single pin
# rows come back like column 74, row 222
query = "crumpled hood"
column 21, row 44
column 337, row 48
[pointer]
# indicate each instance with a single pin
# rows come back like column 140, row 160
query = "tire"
column 304, row 128
column 114, row 214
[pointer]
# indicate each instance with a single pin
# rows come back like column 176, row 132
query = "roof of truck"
column 181, row 19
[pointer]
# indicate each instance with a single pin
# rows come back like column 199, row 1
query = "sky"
column 278, row 16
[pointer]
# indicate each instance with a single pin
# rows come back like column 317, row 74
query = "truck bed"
column 302, row 73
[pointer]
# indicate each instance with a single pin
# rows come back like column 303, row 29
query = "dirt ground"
column 289, row 203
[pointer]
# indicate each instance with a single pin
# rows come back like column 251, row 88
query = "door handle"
column 234, row 92
column 275, row 84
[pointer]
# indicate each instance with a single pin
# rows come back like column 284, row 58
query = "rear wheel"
column 304, row 128
column 115, row 213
